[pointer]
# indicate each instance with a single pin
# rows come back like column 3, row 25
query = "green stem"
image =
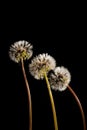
column 29, row 95
column 80, row 106
column 52, row 103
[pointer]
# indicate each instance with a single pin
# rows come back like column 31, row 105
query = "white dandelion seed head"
column 41, row 64
column 60, row 78
column 20, row 50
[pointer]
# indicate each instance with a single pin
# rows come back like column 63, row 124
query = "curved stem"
column 80, row 106
column 29, row 95
column 52, row 103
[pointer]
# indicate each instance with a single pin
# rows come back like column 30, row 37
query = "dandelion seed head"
column 20, row 50
column 60, row 78
column 41, row 64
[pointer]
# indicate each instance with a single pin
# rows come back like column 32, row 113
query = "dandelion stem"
column 80, row 106
column 29, row 95
column 52, row 103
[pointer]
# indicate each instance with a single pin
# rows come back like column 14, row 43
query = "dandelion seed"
column 60, row 78
column 39, row 68
column 20, row 50
column 40, row 64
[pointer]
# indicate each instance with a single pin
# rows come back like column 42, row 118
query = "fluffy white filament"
column 20, row 49
column 60, row 78
column 41, row 64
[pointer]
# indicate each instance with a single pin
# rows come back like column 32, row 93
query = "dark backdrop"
column 60, row 33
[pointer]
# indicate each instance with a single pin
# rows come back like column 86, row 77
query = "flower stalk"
column 52, row 102
column 80, row 106
column 29, row 95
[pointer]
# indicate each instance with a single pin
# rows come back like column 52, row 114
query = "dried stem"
column 29, row 95
column 80, row 106
column 52, row 103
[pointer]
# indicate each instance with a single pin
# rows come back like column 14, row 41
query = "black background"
column 60, row 33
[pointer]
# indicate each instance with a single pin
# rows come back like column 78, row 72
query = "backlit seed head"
column 59, row 78
column 20, row 50
column 41, row 64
